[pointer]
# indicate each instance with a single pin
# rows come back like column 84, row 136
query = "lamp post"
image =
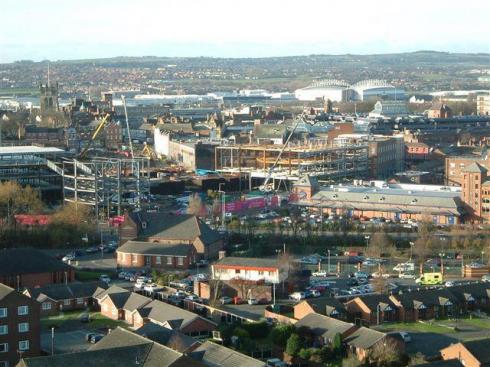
column 223, row 205
column 328, row 268
column 367, row 237
column 52, row 340
column 411, row 249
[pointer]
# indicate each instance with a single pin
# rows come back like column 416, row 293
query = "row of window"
column 46, row 306
column 158, row 260
column 23, row 346
column 22, row 327
column 21, row 311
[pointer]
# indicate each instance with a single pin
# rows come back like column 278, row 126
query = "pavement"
column 65, row 341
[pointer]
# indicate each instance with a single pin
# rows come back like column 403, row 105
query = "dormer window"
column 382, row 198
column 414, row 201
column 143, row 225
column 366, row 197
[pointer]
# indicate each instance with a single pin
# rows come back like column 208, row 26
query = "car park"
column 297, row 296
column 105, row 278
column 225, row 300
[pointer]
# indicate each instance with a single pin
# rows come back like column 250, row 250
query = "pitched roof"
column 215, row 355
column 156, row 354
column 307, row 180
column 324, row 306
column 480, row 349
column 66, row 291
column 426, row 297
column 364, row 338
column 475, row 167
column 374, row 301
column 164, row 313
column 270, row 131
column 324, row 326
column 249, row 262
column 152, row 248
column 135, row 301
column 171, row 338
column 5, row 291
column 28, row 261
column 175, row 227
column 442, row 363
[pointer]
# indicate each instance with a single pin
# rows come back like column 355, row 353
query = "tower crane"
column 265, row 186
column 99, row 128
column 127, row 126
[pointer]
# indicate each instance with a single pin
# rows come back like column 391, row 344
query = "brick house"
column 120, row 304
column 371, row 307
column 113, row 135
column 327, row 306
column 19, row 326
column 323, row 328
column 361, row 341
column 425, row 304
column 439, row 110
column 155, row 255
column 172, row 229
column 64, row 297
column 174, row 318
column 27, row 267
column 417, row 151
column 473, row 353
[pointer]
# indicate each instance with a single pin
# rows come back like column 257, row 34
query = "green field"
column 415, row 327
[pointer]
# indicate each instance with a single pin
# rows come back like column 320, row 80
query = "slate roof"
column 270, row 131
column 324, row 326
column 174, row 227
column 480, row 349
column 99, row 294
column 372, row 301
column 152, row 248
column 325, row 306
column 164, row 313
column 464, row 292
column 368, row 198
column 475, row 167
column 66, row 291
column 215, row 355
column 157, row 355
column 171, row 338
column 307, row 181
column 28, row 261
column 5, row 291
column 248, row 262
column 135, row 301
column 364, row 338
column 427, row 297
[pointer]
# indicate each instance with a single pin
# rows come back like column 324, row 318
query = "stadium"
column 341, row 91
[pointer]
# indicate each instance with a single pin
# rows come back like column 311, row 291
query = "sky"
column 68, row 29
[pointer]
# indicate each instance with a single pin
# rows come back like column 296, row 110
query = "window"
column 158, row 260
column 237, row 271
column 23, row 327
column 4, row 364
column 67, row 302
column 180, row 261
column 4, row 347
column 23, row 345
column 4, row 329
column 261, row 272
column 169, row 260
column 46, row 306
column 22, row 310
column 3, row 312
column 80, row 301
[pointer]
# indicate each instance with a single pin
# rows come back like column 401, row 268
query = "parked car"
column 105, row 278
column 89, row 336
column 252, row 301
column 297, row 296
column 92, row 250
column 153, row 287
column 449, row 283
column 321, row 273
column 68, row 257
column 84, row 318
column 485, row 278
column 121, row 275
column 225, row 300
column 96, row 338
column 193, row 298
column 407, row 338
column 406, row 275
column 361, row 274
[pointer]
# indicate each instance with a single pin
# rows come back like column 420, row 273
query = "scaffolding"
column 320, row 160
column 107, row 184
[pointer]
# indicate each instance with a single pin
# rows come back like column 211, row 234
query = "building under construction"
column 320, row 160
column 107, row 184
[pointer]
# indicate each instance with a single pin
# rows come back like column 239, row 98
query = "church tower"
column 48, row 96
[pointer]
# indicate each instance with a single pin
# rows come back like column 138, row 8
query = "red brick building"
column 19, row 326
column 27, row 267
column 155, row 255
column 172, row 230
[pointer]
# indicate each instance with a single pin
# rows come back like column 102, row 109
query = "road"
column 65, row 341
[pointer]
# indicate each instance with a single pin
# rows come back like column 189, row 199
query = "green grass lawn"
column 88, row 275
column 476, row 322
column 73, row 317
column 415, row 327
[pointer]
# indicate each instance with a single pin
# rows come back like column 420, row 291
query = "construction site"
column 278, row 165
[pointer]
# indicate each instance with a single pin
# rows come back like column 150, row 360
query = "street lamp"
column 328, row 269
column 223, row 205
column 367, row 237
